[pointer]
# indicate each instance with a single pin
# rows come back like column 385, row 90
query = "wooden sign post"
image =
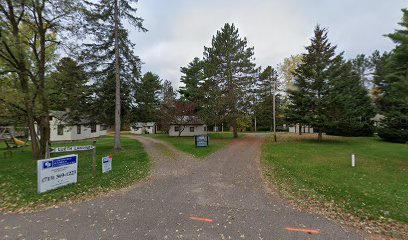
column 92, row 147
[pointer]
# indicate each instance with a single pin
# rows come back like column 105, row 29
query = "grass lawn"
column 186, row 144
column 18, row 175
column 376, row 189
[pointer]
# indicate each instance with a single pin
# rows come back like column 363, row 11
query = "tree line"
column 100, row 77
column 319, row 88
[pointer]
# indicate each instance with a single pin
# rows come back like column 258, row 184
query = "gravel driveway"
column 221, row 197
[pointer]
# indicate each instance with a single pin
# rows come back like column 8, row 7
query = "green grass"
column 376, row 189
column 186, row 144
column 18, row 175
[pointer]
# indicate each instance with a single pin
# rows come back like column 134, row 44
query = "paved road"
column 222, row 197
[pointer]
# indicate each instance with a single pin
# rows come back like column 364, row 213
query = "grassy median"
column 321, row 173
column 186, row 144
column 18, row 175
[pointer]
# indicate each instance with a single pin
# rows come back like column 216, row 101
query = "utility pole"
column 274, row 110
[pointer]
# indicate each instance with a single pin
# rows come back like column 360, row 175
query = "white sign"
column 56, row 172
column 106, row 164
column 72, row 149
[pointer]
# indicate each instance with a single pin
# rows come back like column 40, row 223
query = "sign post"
column 92, row 147
column 56, row 172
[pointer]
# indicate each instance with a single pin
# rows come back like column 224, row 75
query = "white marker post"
column 353, row 160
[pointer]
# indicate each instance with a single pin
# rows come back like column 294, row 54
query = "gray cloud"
column 179, row 29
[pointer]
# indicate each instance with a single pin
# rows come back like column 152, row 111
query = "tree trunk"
column 44, row 122
column 300, row 129
column 117, row 77
column 36, row 153
column 320, row 135
column 235, row 129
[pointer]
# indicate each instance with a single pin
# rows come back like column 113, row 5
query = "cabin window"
column 191, row 129
column 60, row 130
column 148, row 127
column 78, row 129
column 176, row 129
column 93, row 128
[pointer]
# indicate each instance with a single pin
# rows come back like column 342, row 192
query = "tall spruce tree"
column 309, row 98
column 350, row 109
column 192, row 78
column 148, row 98
column 110, row 56
column 394, row 89
column 230, row 68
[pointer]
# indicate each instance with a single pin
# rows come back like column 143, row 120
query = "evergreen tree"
column 192, row 78
column 110, row 56
column 148, row 98
column 308, row 99
column 167, row 92
column 68, row 87
column 394, row 89
column 230, row 68
column 168, row 99
column 362, row 66
column 378, row 62
column 350, row 108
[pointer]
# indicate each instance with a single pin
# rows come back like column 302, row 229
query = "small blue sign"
column 59, row 162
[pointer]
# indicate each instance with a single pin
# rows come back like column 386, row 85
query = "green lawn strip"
column 186, row 144
column 376, row 189
column 18, row 175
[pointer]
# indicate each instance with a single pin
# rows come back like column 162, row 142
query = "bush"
column 393, row 135
column 356, row 129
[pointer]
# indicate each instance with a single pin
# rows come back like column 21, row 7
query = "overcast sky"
column 179, row 29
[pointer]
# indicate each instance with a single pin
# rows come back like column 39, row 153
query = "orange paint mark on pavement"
column 202, row 219
column 310, row 231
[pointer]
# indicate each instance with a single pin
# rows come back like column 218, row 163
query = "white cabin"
column 305, row 129
column 144, row 128
column 188, row 126
column 63, row 130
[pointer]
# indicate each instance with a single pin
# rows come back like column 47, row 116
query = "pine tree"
column 167, row 101
column 230, row 68
column 148, row 98
column 110, row 56
column 378, row 62
column 308, row 99
column 394, row 89
column 192, row 78
column 350, row 107
column 68, row 87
